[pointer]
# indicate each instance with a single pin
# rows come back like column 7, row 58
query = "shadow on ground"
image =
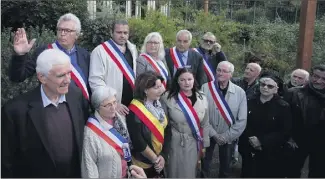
column 236, row 169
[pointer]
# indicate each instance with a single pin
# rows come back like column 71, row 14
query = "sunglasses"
column 208, row 41
column 267, row 85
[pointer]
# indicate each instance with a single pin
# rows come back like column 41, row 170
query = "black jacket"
column 25, row 151
column 308, row 110
column 195, row 60
column 24, row 66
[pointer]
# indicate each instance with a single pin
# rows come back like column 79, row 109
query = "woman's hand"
column 160, row 163
column 137, row 172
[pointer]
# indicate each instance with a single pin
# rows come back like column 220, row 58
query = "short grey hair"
column 184, row 31
column 48, row 58
column 231, row 67
column 306, row 73
column 100, row 94
column 71, row 17
column 257, row 66
column 161, row 51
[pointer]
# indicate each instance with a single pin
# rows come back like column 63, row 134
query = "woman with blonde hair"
column 152, row 57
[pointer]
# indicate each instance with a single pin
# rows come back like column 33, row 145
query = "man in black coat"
column 42, row 130
column 308, row 111
column 68, row 30
column 185, row 57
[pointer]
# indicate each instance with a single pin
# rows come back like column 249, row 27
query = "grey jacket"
column 236, row 99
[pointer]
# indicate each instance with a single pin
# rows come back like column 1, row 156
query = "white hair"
column 303, row 72
column 71, row 17
column 184, row 31
column 231, row 67
column 50, row 57
column 209, row 34
column 257, row 66
column 161, row 51
column 100, row 94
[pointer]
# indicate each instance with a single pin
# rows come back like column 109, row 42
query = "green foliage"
column 10, row 89
column 153, row 22
column 38, row 13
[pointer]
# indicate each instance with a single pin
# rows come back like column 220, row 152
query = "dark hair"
column 145, row 81
column 175, row 88
column 119, row 21
column 317, row 67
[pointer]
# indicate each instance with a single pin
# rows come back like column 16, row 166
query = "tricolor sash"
column 158, row 68
column 111, row 136
column 116, row 55
column 176, row 58
column 76, row 75
column 221, row 103
column 192, row 118
column 206, row 65
column 157, row 129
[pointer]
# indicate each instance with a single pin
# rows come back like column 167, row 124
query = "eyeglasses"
column 267, row 85
column 66, row 31
column 109, row 105
column 208, row 41
column 153, row 43
column 222, row 71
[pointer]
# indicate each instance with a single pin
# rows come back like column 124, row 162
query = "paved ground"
column 237, row 168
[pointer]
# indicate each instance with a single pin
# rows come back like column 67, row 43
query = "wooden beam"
column 206, row 6
column 306, row 33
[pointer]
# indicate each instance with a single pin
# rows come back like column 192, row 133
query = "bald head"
column 299, row 77
column 252, row 71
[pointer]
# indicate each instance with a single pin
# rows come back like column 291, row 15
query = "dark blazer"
column 25, row 151
column 24, row 66
column 195, row 60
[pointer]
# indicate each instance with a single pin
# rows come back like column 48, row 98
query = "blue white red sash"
column 221, row 103
column 206, row 66
column 111, row 136
column 158, row 68
column 191, row 117
column 176, row 58
column 116, row 55
column 76, row 75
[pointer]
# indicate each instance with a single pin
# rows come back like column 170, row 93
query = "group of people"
column 115, row 113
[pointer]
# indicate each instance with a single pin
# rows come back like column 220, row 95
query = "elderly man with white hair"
column 106, row 139
column 249, row 82
column 228, row 116
column 298, row 77
column 181, row 56
column 42, row 130
column 68, row 30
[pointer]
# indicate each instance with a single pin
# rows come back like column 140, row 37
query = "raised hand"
column 21, row 45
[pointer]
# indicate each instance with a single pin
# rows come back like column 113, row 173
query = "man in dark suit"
column 181, row 55
column 68, row 30
column 42, row 130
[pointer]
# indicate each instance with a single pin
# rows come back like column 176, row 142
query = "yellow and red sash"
column 157, row 129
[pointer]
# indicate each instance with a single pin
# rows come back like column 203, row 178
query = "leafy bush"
column 40, row 13
column 10, row 89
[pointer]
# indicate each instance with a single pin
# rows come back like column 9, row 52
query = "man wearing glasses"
column 211, row 52
column 68, row 30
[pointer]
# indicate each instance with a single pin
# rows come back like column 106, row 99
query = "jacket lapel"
column 75, row 116
column 37, row 115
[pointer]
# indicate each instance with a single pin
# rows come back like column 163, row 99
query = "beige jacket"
column 104, row 72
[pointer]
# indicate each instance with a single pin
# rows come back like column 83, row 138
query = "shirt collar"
column 47, row 101
column 73, row 49
column 185, row 54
